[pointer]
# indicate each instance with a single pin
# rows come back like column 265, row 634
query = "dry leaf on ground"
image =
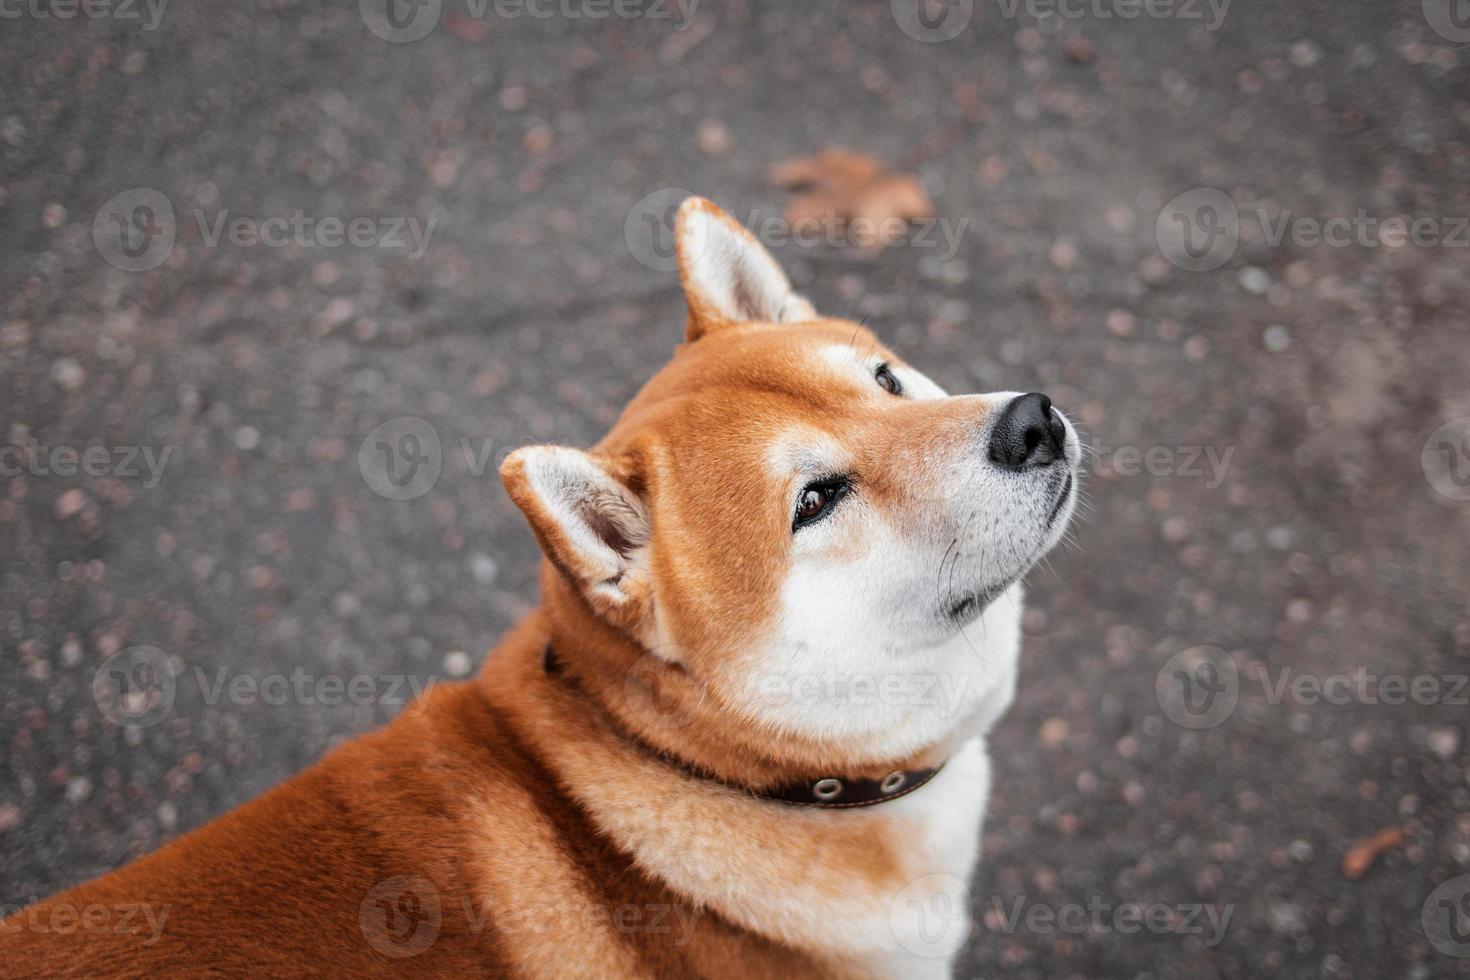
column 1361, row 856
column 853, row 193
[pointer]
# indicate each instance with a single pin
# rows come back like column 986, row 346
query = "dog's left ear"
column 728, row 276
column 591, row 525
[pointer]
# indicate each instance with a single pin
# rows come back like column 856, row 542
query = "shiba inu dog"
column 742, row 735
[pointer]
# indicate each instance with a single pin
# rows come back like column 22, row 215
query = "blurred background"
column 282, row 282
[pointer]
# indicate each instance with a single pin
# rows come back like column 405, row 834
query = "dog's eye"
column 816, row 502
column 887, row 380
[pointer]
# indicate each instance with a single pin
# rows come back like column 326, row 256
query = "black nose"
column 1027, row 433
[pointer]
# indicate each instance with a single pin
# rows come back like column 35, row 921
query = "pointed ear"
column 591, row 526
column 728, row 276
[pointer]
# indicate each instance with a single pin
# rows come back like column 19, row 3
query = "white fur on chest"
column 752, row 861
column 929, row 917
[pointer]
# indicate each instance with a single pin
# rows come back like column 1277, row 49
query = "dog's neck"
column 822, row 881
column 835, row 791
column 659, row 708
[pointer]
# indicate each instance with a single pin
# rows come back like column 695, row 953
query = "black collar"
column 825, row 793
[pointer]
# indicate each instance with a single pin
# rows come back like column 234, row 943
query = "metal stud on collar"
column 893, row 782
column 827, row 789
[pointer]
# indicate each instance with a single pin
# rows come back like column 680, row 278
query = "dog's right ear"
column 590, row 524
column 728, row 276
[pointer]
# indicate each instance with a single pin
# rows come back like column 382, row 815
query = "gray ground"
column 1324, row 548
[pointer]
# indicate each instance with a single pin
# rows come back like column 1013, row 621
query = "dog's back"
column 440, row 845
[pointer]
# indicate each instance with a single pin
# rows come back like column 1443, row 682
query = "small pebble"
column 10, row 817
column 1054, row 732
column 1444, row 742
column 1121, row 323
column 68, row 373
column 1280, row 537
column 1079, row 50
column 483, row 568
column 1062, row 254
column 1254, row 279
column 457, row 663
column 715, row 139
column 1286, row 918
column 538, row 140
column 70, row 504
column 1305, row 54
column 78, row 789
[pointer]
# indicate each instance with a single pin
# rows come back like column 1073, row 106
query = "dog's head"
column 788, row 499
